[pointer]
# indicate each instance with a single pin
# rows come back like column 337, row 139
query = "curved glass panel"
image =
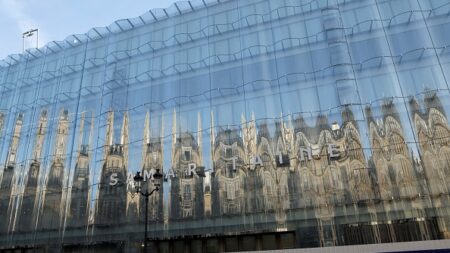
column 275, row 124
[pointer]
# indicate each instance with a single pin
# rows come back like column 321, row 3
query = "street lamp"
column 138, row 179
column 28, row 34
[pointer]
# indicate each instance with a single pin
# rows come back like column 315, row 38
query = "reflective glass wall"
column 277, row 124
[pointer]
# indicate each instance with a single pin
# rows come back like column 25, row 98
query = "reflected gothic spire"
column 8, row 178
column 112, row 192
column 124, row 138
column 28, row 210
column 53, row 206
column 109, row 136
column 433, row 131
column 79, row 202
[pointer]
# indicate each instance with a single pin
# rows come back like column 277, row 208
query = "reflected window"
column 187, row 192
column 228, row 152
column 187, row 152
column 12, row 157
column 229, row 171
column 231, row 191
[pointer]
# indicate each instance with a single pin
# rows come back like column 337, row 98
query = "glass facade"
column 277, row 124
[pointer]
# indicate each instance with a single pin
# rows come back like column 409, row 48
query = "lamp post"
column 29, row 34
column 138, row 179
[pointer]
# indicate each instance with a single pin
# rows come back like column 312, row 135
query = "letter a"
column 256, row 160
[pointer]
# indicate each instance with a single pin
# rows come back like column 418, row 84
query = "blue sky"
column 57, row 19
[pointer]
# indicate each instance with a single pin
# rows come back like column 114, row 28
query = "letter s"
column 113, row 179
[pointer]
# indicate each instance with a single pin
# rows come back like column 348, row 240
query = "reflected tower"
column 153, row 159
column 186, row 195
column 79, row 204
column 398, row 182
column 433, row 133
column 324, row 176
column 52, row 209
column 351, row 177
column 229, row 175
column 7, row 182
column 252, row 198
column 28, row 214
column 283, row 146
column 112, row 192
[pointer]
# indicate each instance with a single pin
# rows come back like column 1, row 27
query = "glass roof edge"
column 69, row 39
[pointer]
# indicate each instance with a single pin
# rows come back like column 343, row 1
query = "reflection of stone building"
column 112, row 194
column 78, row 211
column 208, row 199
column 27, row 215
column 433, row 140
column 283, row 145
column 266, row 187
column 153, row 160
column 273, row 177
column 186, row 193
column 276, row 173
column 253, row 202
column 398, row 181
column 349, row 185
column 332, row 177
column 227, row 182
column 52, row 209
column 8, row 178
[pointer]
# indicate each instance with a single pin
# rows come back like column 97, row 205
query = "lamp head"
column 138, row 181
column 157, row 176
column 138, row 178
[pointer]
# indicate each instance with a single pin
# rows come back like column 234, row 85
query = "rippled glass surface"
column 276, row 124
